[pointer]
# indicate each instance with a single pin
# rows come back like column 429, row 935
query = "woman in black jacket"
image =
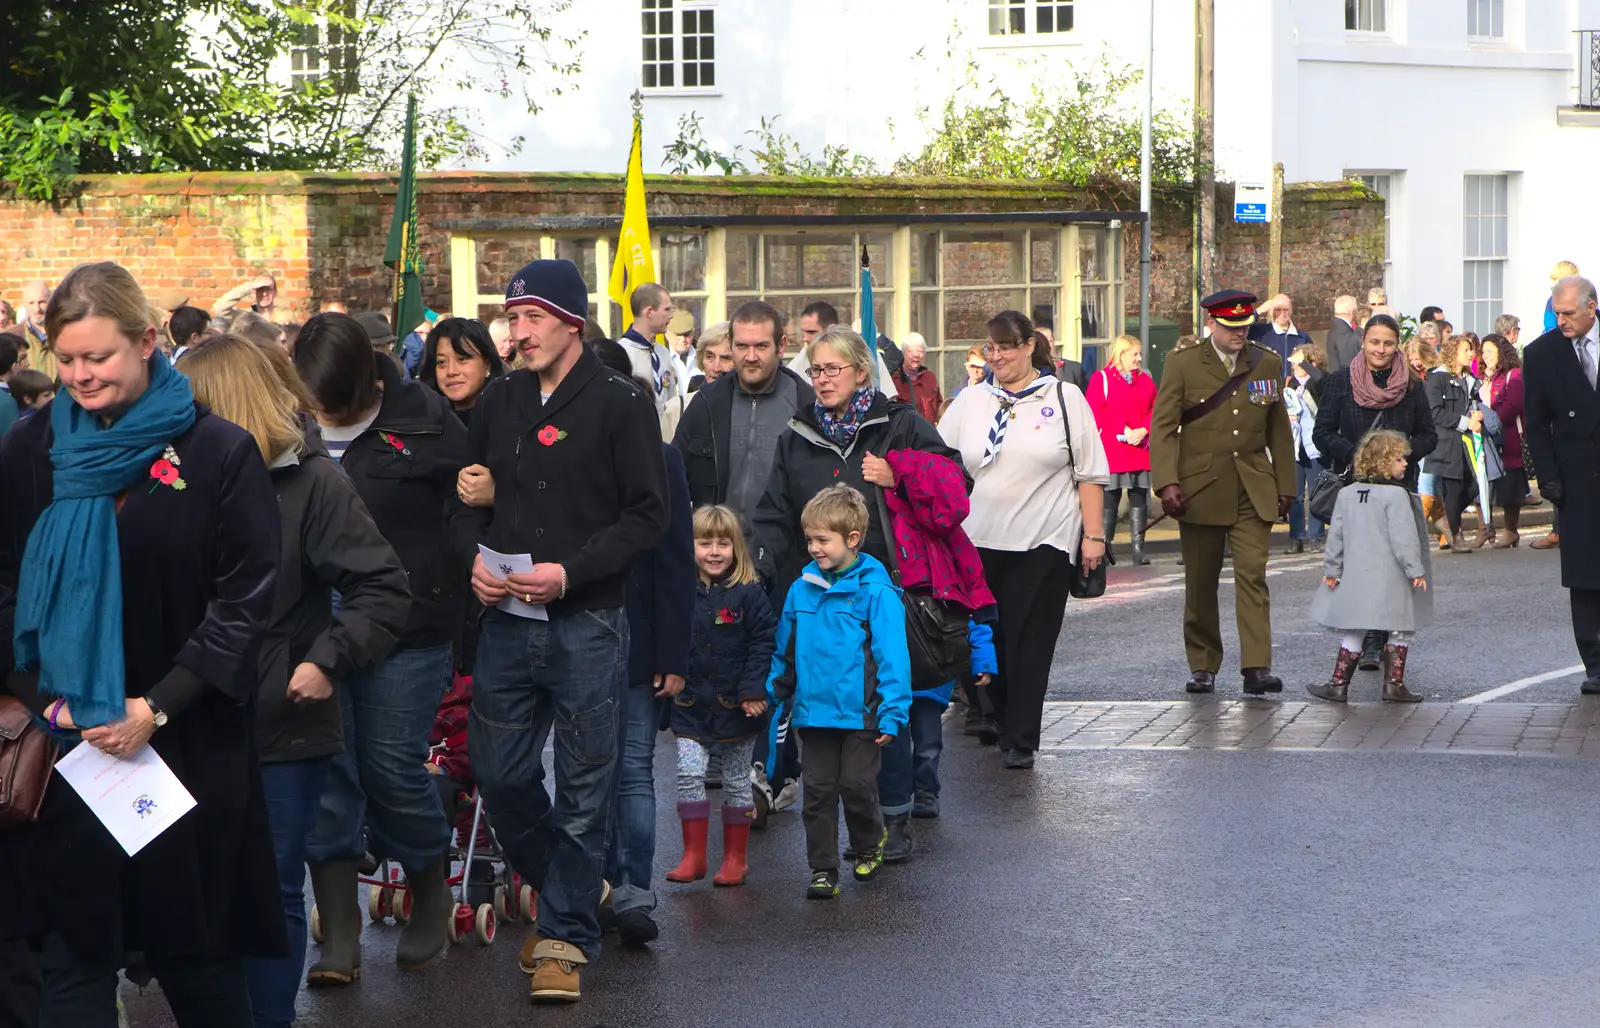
column 826, row 444
column 329, row 544
column 1387, row 395
column 402, row 448
column 458, row 361
column 171, row 509
column 1450, row 397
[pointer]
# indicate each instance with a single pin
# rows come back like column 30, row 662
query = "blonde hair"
column 1563, row 269
column 283, row 364
column 715, row 521
column 1377, row 451
column 1427, row 355
column 714, row 335
column 1119, row 346
column 233, row 377
column 99, row 290
column 850, row 347
column 838, row 508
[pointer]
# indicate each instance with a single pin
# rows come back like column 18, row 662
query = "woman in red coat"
column 1122, row 397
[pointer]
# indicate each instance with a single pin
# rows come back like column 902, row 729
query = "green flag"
column 403, row 253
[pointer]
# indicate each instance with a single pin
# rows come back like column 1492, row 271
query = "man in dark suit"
column 1562, row 421
column 1344, row 338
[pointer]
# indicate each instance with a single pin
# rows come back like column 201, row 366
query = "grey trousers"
column 841, row 764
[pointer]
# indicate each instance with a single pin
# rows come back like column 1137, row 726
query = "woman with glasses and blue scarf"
column 1039, row 476
column 146, row 533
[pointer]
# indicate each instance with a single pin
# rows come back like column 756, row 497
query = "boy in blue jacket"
column 842, row 664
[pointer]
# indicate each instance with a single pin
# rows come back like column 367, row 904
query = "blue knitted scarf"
column 69, row 599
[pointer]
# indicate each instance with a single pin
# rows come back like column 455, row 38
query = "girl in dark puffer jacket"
column 719, row 711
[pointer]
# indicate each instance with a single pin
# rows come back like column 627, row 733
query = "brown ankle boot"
column 1394, row 676
column 1508, row 536
column 1337, row 688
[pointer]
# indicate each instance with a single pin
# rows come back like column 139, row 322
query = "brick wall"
column 322, row 235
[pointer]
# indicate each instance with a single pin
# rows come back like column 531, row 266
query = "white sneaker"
column 787, row 796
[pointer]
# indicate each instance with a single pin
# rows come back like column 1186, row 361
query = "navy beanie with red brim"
column 553, row 285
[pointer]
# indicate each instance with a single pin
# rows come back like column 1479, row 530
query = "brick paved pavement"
column 1497, row 728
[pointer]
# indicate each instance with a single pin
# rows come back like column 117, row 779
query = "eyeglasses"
column 817, row 371
column 990, row 349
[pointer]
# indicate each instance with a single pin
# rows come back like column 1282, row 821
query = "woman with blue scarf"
column 827, row 444
column 146, row 534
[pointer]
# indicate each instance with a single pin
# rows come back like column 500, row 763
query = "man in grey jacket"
column 1344, row 339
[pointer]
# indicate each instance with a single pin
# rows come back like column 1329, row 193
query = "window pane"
column 708, row 75
column 1469, row 195
column 791, row 306
column 1096, row 312
column 924, row 259
column 691, row 50
column 880, row 254
column 925, row 316
column 1019, row 19
column 967, row 314
column 708, row 47
column 1501, row 243
column 682, row 260
column 806, row 261
column 690, row 22
column 984, row 258
column 1042, row 309
column 668, row 79
column 691, row 75
column 1043, row 266
column 1379, row 14
column 741, row 253
column 1046, row 19
column 1502, row 188
column 1497, row 280
column 666, row 48
column 1094, row 254
column 1351, row 15
column 1469, row 286
column 579, row 251
column 649, row 24
column 705, row 22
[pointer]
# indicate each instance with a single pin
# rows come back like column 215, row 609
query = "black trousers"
column 840, row 764
column 1030, row 589
column 1459, row 494
column 82, row 994
column 1586, row 628
column 19, row 985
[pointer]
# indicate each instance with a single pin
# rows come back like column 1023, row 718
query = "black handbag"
column 1325, row 490
column 1086, row 584
column 936, row 630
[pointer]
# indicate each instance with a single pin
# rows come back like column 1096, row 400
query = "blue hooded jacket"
column 841, row 659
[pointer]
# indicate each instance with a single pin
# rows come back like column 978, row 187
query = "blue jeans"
column 379, row 779
column 293, row 789
column 566, row 673
column 927, row 743
column 894, row 776
column 631, row 845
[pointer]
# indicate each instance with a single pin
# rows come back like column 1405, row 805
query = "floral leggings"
column 694, row 755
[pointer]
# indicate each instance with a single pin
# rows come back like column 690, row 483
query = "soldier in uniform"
column 1222, row 461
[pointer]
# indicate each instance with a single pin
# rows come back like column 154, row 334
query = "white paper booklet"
column 503, row 564
column 135, row 797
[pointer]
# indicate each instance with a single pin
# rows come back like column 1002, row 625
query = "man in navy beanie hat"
column 575, row 451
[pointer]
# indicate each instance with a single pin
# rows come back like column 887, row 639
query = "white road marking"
column 1520, row 684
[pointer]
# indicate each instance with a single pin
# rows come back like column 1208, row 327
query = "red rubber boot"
column 695, row 817
column 736, row 822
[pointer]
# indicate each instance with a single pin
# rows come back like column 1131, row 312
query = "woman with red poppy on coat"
column 1122, row 397
column 402, row 448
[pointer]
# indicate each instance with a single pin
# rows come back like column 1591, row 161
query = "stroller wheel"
column 502, row 904
column 460, row 922
column 316, row 925
column 400, row 905
column 484, row 926
column 528, row 905
column 379, row 903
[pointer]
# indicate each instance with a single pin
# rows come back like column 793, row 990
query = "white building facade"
column 1479, row 120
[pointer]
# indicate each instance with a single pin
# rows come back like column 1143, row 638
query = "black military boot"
column 1138, row 517
column 1372, row 650
column 1108, row 522
column 1258, row 681
column 1201, row 681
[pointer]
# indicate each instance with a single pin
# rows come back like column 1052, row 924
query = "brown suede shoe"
column 1549, row 542
column 555, row 971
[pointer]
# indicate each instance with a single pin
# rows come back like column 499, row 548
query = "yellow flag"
column 635, row 262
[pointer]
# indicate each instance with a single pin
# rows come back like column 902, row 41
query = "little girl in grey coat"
column 1375, row 569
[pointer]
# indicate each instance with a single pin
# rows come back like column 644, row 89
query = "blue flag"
column 869, row 329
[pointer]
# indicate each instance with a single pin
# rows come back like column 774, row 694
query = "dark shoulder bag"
column 27, row 756
column 1086, row 584
column 1325, row 489
column 936, row 630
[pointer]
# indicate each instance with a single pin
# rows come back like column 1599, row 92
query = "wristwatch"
column 157, row 713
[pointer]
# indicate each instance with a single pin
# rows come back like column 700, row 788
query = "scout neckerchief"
column 1002, row 415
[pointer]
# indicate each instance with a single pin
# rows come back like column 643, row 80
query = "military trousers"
column 1203, row 546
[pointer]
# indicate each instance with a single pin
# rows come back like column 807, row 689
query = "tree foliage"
column 1085, row 134
column 774, row 153
column 156, row 85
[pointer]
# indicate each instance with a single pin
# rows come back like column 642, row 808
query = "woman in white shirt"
column 1030, row 503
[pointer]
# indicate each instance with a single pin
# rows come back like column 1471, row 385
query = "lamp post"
column 1144, row 187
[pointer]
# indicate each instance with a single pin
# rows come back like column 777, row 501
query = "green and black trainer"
column 824, row 885
column 868, row 863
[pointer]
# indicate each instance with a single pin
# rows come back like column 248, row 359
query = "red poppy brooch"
column 549, row 435
column 396, row 442
column 728, row 616
column 165, row 471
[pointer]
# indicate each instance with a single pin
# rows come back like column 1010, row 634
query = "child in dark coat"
column 719, row 711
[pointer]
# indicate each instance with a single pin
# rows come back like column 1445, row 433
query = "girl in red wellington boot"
column 724, row 696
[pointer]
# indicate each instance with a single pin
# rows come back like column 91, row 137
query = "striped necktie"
column 1002, row 416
